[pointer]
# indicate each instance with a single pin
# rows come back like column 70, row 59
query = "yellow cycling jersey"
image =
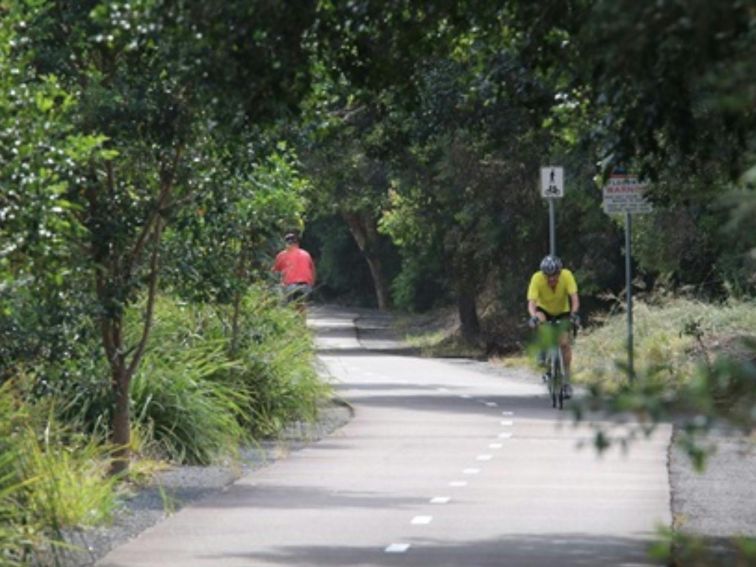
column 553, row 301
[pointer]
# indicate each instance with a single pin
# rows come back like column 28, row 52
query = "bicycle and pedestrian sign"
column 625, row 194
column 552, row 188
column 552, row 182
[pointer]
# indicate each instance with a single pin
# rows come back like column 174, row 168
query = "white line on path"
column 465, row 396
column 397, row 548
column 458, row 483
column 492, row 404
column 471, row 471
column 505, row 435
column 495, row 446
column 422, row 520
column 440, row 500
column 507, row 413
column 506, row 422
column 484, row 457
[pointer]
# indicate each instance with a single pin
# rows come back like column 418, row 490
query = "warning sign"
column 625, row 194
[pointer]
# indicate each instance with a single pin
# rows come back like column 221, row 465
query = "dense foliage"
column 153, row 151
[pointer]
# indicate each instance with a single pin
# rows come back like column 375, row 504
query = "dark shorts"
column 551, row 318
column 561, row 321
column 297, row 292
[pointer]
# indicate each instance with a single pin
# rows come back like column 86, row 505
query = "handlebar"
column 575, row 325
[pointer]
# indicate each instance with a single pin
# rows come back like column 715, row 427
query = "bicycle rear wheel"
column 553, row 370
column 558, row 395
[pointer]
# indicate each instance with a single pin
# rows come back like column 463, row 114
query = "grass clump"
column 51, row 478
column 276, row 356
column 191, row 416
column 198, row 400
column 672, row 338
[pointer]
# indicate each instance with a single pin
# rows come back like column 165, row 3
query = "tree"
column 350, row 176
column 41, row 155
column 151, row 78
column 221, row 243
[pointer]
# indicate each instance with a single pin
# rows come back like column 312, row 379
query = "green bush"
column 192, row 417
column 277, row 366
column 198, row 401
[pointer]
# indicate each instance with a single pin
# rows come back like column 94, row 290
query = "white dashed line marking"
column 458, row 483
column 465, row 396
column 506, row 422
column 440, row 500
column 421, row 520
column 507, row 413
column 397, row 548
column 442, row 389
column 505, row 435
column 484, row 457
column 471, row 471
column 495, row 446
column 492, row 404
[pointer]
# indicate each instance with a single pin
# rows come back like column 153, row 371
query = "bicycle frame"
column 555, row 368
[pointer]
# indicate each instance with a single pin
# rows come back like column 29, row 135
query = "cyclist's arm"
column 574, row 303
column 532, row 308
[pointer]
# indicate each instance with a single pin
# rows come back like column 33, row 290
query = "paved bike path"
column 441, row 465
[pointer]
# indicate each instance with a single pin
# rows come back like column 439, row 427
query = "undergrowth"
column 672, row 338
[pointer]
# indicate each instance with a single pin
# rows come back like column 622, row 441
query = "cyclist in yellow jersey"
column 553, row 295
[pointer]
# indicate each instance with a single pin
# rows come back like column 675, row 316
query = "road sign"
column 552, row 182
column 625, row 194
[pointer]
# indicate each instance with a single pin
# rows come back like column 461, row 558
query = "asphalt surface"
column 445, row 463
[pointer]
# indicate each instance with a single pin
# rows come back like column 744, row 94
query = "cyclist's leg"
column 565, row 347
column 300, row 298
column 567, row 355
column 542, row 354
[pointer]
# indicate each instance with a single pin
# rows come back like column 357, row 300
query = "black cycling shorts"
column 550, row 318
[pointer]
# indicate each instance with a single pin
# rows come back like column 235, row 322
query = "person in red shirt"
column 297, row 271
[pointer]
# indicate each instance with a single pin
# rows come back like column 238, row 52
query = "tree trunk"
column 242, row 274
column 468, row 315
column 379, row 281
column 364, row 229
column 121, row 423
column 467, row 293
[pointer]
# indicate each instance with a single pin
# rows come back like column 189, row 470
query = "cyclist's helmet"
column 291, row 238
column 551, row 265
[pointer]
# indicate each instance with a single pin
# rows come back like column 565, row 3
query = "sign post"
column 552, row 187
column 625, row 194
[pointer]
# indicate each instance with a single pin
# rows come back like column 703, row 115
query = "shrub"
column 199, row 401
column 277, row 366
column 192, row 417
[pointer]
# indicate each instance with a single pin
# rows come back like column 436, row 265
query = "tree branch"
column 151, row 296
column 166, row 185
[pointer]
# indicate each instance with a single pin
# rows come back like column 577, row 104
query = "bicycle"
column 554, row 363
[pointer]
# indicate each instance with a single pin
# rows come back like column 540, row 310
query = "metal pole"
column 628, row 283
column 552, row 228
